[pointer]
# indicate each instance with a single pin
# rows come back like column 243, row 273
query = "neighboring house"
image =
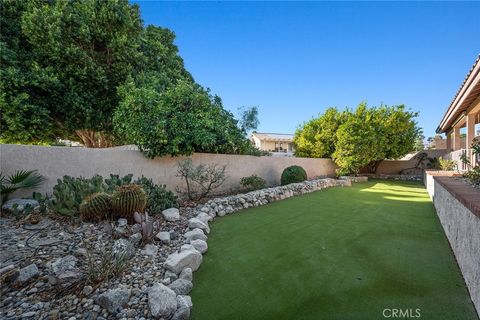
column 439, row 143
column 463, row 114
column 276, row 143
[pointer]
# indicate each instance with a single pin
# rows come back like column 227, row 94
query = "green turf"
column 340, row 253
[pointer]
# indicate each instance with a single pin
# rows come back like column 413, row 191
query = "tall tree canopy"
column 359, row 138
column 69, row 66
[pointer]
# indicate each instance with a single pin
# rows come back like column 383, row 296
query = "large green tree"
column 359, row 138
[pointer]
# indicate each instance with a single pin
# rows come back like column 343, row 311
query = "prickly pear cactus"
column 96, row 207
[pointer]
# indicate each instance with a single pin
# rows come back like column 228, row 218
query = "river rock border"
column 180, row 265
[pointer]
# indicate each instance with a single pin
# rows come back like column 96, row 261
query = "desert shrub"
column 159, row 198
column 115, row 181
column 128, row 199
column 293, row 174
column 200, row 180
column 253, row 182
column 473, row 175
column 447, row 165
column 107, row 266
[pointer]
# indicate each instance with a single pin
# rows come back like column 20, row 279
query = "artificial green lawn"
column 339, row 253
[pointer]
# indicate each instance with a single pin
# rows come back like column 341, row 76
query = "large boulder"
column 19, row 205
column 195, row 234
column 181, row 286
column 162, row 301
column 199, row 245
column 171, row 214
column 178, row 261
column 197, row 223
column 115, row 299
column 204, row 217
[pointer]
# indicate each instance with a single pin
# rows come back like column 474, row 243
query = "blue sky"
column 293, row 60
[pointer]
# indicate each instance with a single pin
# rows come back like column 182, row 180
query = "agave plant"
column 21, row 179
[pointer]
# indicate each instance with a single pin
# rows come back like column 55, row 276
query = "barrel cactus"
column 128, row 199
column 96, row 207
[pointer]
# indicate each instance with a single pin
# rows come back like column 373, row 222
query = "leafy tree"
column 316, row 138
column 249, row 118
column 359, row 138
column 419, row 146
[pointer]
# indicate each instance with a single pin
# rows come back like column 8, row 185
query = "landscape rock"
column 122, row 247
column 135, row 238
column 114, row 299
column 181, row 286
column 150, row 250
column 204, row 217
column 172, row 214
column 19, row 204
column 186, row 274
column 185, row 247
column 197, row 223
column 181, row 314
column 176, row 262
column 26, row 274
column 163, row 236
column 199, row 245
column 161, row 301
column 195, row 234
column 184, row 301
column 122, row 222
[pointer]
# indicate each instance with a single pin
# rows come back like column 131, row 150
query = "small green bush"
column 293, row 174
column 446, row 165
column 253, row 182
column 473, row 175
column 159, row 198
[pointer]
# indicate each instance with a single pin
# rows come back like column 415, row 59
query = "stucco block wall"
column 55, row 162
column 462, row 229
column 395, row 166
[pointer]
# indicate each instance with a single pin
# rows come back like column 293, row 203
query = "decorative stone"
column 171, row 275
column 186, row 274
column 205, row 218
column 87, row 290
column 181, row 286
column 197, row 223
column 195, row 234
column 26, row 274
column 176, row 262
column 172, row 214
column 186, row 247
column 19, row 204
column 150, row 250
column 184, row 301
column 135, row 238
column 162, row 301
column 199, row 245
column 122, row 222
column 122, row 247
column 61, row 265
column 114, row 300
column 181, row 314
column 163, row 236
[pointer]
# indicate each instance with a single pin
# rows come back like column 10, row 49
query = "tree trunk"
column 94, row 139
column 373, row 166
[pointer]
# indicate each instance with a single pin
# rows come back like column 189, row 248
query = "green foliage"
column 69, row 193
column 96, row 207
column 446, row 165
column 419, row 146
column 115, row 181
column 128, row 199
column 200, row 180
column 20, row 180
column 159, row 198
column 293, row 174
column 253, row 182
column 473, row 175
column 359, row 138
column 317, row 137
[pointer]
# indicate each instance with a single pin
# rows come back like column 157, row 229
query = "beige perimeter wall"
column 55, row 162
